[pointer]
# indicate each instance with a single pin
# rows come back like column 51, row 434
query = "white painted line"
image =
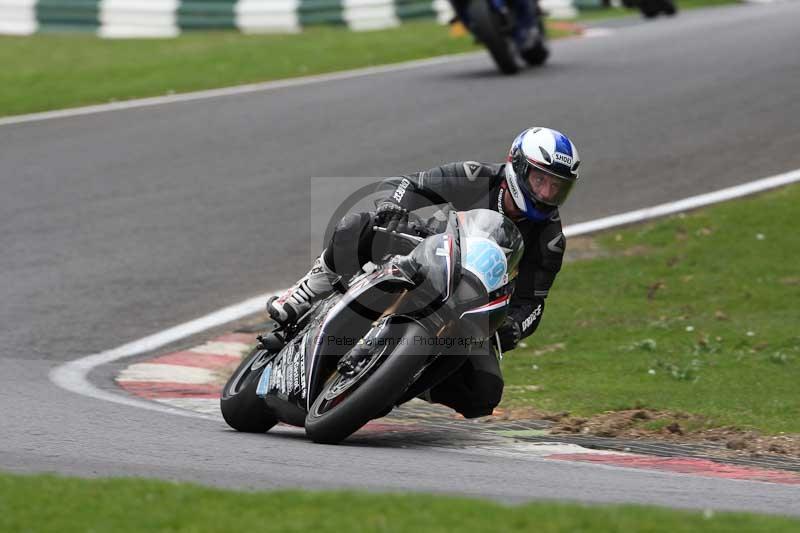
column 534, row 451
column 238, row 90
column 233, row 349
column 160, row 373
column 73, row 375
column 545, row 449
column 686, row 204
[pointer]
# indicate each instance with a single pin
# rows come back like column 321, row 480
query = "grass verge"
column 693, row 314
column 47, row 503
column 50, row 71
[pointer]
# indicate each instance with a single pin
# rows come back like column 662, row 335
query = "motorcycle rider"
column 541, row 169
column 527, row 33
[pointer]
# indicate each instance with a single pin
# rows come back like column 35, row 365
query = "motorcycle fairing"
column 484, row 258
column 495, row 304
column 284, row 376
column 435, row 260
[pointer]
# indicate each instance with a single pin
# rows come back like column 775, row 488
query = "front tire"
column 334, row 417
column 241, row 408
column 485, row 24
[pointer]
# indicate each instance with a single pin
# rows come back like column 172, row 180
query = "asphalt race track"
column 118, row 225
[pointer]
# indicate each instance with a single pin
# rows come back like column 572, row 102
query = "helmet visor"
column 548, row 188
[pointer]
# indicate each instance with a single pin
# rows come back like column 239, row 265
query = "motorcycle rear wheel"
column 668, row 7
column 536, row 56
column 650, row 8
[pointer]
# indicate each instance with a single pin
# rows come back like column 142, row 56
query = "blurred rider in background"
column 527, row 24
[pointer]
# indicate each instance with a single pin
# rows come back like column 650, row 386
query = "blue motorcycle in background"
column 512, row 30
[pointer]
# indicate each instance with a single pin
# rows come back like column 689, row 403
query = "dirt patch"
column 654, row 288
column 583, row 248
column 637, row 250
column 566, row 26
column 549, row 348
column 649, row 424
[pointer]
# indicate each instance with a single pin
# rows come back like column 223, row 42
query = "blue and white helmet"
column 542, row 169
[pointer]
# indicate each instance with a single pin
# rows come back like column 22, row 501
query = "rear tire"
column 378, row 391
column 241, row 408
column 485, row 25
column 536, row 56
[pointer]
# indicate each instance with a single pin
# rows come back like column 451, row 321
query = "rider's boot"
column 529, row 38
column 315, row 285
column 527, row 32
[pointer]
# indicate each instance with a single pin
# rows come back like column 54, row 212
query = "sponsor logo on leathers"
column 515, row 192
column 528, row 322
column 471, row 168
column 401, row 190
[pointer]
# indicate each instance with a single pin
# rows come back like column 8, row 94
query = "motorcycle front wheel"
column 346, row 403
column 486, row 25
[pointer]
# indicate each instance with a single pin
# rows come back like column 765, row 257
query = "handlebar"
column 413, row 238
column 419, row 228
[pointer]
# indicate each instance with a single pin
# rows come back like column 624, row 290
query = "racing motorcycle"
column 498, row 25
column 399, row 329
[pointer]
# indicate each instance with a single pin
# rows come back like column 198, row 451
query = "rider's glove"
column 510, row 334
column 392, row 216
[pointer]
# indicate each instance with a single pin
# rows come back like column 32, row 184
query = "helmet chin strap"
column 537, row 215
column 525, row 205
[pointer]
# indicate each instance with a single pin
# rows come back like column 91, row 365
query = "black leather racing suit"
column 477, row 387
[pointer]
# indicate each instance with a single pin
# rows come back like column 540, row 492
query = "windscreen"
column 491, row 246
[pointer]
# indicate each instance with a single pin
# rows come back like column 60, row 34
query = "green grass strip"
column 697, row 313
column 46, row 71
column 53, row 71
column 59, row 505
